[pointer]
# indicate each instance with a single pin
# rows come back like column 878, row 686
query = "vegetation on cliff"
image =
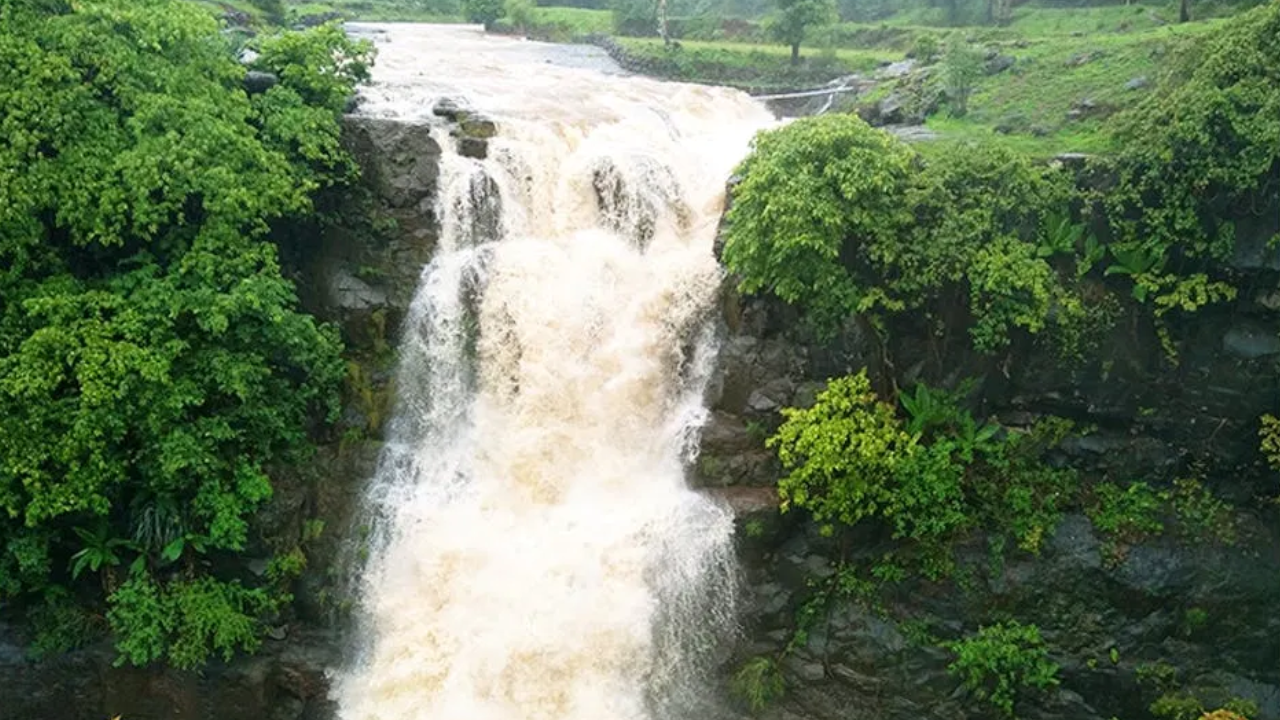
column 845, row 220
column 1202, row 151
column 154, row 368
column 861, row 232
column 929, row 479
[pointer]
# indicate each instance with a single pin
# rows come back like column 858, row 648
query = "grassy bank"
column 1061, row 90
column 760, row 67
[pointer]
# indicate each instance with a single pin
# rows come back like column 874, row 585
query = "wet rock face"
column 400, row 160
column 286, row 681
column 633, row 199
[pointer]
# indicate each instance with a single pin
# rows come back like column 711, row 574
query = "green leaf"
column 173, row 550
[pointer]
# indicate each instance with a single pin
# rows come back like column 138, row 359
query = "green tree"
column 521, row 13
column 842, row 219
column 485, row 12
column 154, row 366
column 961, row 68
column 795, row 18
column 1001, row 662
column 811, row 192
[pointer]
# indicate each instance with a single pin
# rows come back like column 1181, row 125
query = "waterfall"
column 536, row 553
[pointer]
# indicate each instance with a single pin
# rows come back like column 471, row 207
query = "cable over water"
column 536, row 553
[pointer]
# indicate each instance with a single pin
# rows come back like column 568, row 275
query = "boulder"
column 999, row 64
column 1083, row 58
column 256, row 81
column 401, row 160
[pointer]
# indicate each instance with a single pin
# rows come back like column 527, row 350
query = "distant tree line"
column 949, row 12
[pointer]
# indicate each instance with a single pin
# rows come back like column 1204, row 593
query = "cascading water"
column 537, row 554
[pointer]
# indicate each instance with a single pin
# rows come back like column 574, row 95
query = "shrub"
column 811, row 193
column 999, row 662
column 485, row 12
column 1203, row 149
column 961, row 68
column 840, row 219
column 843, row 456
column 849, row 458
column 759, row 683
column 1131, row 512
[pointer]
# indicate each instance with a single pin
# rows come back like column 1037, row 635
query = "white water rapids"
column 536, row 553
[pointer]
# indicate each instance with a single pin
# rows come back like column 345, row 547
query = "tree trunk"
column 795, row 53
column 662, row 23
column 1184, row 11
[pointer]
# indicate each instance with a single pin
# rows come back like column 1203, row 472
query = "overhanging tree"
column 154, row 367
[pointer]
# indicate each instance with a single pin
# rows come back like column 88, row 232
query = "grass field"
column 1072, row 70
column 575, row 21
column 1095, row 74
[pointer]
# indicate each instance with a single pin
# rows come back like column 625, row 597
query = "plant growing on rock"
column 1202, row 150
column 844, row 455
column 1269, row 436
column 759, row 683
column 1000, row 662
column 849, row 459
column 1202, row 515
column 808, row 191
column 1131, row 512
column 1223, row 714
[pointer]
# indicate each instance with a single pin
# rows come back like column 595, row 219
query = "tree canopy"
column 842, row 219
column 796, row 18
column 154, row 367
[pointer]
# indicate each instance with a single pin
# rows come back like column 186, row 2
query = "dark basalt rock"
column 256, row 81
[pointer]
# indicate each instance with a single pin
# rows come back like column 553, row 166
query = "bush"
column 485, row 12
column 843, row 219
column 1203, row 149
column 521, row 13
column 1000, row 662
column 844, row 456
column 961, row 68
column 1130, row 513
column 759, row 683
column 849, row 458
column 925, row 48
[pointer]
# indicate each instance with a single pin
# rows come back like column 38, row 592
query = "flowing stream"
column 536, row 553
